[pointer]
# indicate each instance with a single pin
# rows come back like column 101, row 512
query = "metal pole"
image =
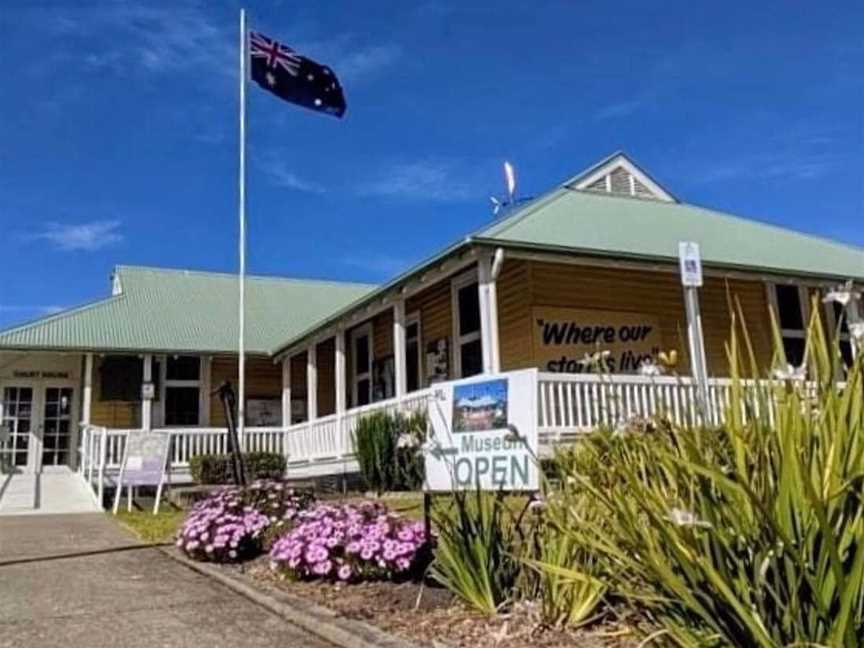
column 697, row 347
column 241, row 405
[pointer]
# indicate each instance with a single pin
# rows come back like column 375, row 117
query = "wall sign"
column 484, row 432
column 562, row 337
column 263, row 412
column 24, row 373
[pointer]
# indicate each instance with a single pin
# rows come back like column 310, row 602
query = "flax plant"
column 748, row 535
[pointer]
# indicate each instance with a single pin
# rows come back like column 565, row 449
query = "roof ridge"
column 68, row 312
column 217, row 273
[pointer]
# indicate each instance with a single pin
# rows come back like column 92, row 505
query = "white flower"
column 650, row 368
column 791, row 373
column 406, row 441
column 857, row 330
column 593, row 358
column 842, row 294
column 682, row 518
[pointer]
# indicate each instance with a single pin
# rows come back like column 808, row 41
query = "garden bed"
column 428, row 615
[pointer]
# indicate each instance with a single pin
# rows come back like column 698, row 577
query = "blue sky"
column 118, row 121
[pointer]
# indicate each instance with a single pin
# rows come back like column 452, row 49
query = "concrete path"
column 62, row 491
column 53, row 594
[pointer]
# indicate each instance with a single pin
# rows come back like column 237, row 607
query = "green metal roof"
column 617, row 226
column 570, row 221
column 181, row 310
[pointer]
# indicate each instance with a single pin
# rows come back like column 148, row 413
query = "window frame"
column 803, row 304
column 363, row 330
column 174, row 383
column 456, row 284
column 411, row 319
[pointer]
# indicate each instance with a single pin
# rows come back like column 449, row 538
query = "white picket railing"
column 568, row 406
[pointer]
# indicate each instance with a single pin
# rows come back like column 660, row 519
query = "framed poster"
column 263, row 412
column 384, row 378
column 484, row 433
column 437, row 360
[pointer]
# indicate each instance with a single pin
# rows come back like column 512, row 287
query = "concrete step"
column 48, row 493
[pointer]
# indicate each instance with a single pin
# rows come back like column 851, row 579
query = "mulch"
column 430, row 616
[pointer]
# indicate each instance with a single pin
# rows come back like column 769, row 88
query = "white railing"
column 568, row 406
column 332, row 437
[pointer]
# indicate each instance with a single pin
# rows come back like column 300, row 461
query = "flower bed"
column 232, row 524
column 349, row 542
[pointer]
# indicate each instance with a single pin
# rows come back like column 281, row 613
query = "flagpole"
column 241, row 400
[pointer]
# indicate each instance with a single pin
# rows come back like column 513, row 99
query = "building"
column 592, row 264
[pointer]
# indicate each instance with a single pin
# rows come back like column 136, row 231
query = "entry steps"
column 62, row 491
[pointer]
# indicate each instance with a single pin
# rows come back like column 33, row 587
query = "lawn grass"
column 157, row 528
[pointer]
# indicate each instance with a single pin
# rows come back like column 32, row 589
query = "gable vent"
column 619, row 176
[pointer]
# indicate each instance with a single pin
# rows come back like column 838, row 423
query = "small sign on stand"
column 144, row 464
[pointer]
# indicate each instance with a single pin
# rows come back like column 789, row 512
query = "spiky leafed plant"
column 751, row 535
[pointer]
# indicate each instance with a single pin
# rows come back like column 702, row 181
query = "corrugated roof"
column 578, row 221
column 181, row 310
column 570, row 221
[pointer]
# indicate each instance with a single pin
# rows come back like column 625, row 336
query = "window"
column 120, row 378
column 182, row 390
column 466, row 308
column 361, row 357
column 412, row 352
column 789, row 306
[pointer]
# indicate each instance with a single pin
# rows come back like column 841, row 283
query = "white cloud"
column 352, row 63
column 279, row 174
column 381, row 265
column 362, row 63
column 429, row 179
column 88, row 237
column 153, row 38
column 619, row 109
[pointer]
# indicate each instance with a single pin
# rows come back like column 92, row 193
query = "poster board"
column 562, row 337
column 483, row 430
column 144, row 463
column 263, row 412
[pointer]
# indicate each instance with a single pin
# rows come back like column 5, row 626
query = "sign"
column 562, row 337
column 484, row 432
column 148, row 391
column 263, row 412
column 21, row 373
column 690, row 261
column 144, row 463
column 437, row 361
column 145, row 458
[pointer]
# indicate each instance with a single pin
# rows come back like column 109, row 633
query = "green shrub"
column 386, row 446
column 216, row 468
column 752, row 535
column 475, row 554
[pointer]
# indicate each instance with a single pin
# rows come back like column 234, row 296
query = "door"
column 18, row 439
column 56, row 426
column 38, row 427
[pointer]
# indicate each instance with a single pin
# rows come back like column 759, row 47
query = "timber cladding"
column 527, row 285
column 263, row 380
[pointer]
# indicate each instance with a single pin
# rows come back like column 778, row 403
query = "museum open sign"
column 562, row 337
column 484, row 433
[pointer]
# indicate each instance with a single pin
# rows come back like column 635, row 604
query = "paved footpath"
column 122, row 597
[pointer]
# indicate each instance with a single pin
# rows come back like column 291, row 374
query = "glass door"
column 17, row 433
column 56, row 426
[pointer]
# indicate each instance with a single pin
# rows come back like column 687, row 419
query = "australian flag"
column 295, row 78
